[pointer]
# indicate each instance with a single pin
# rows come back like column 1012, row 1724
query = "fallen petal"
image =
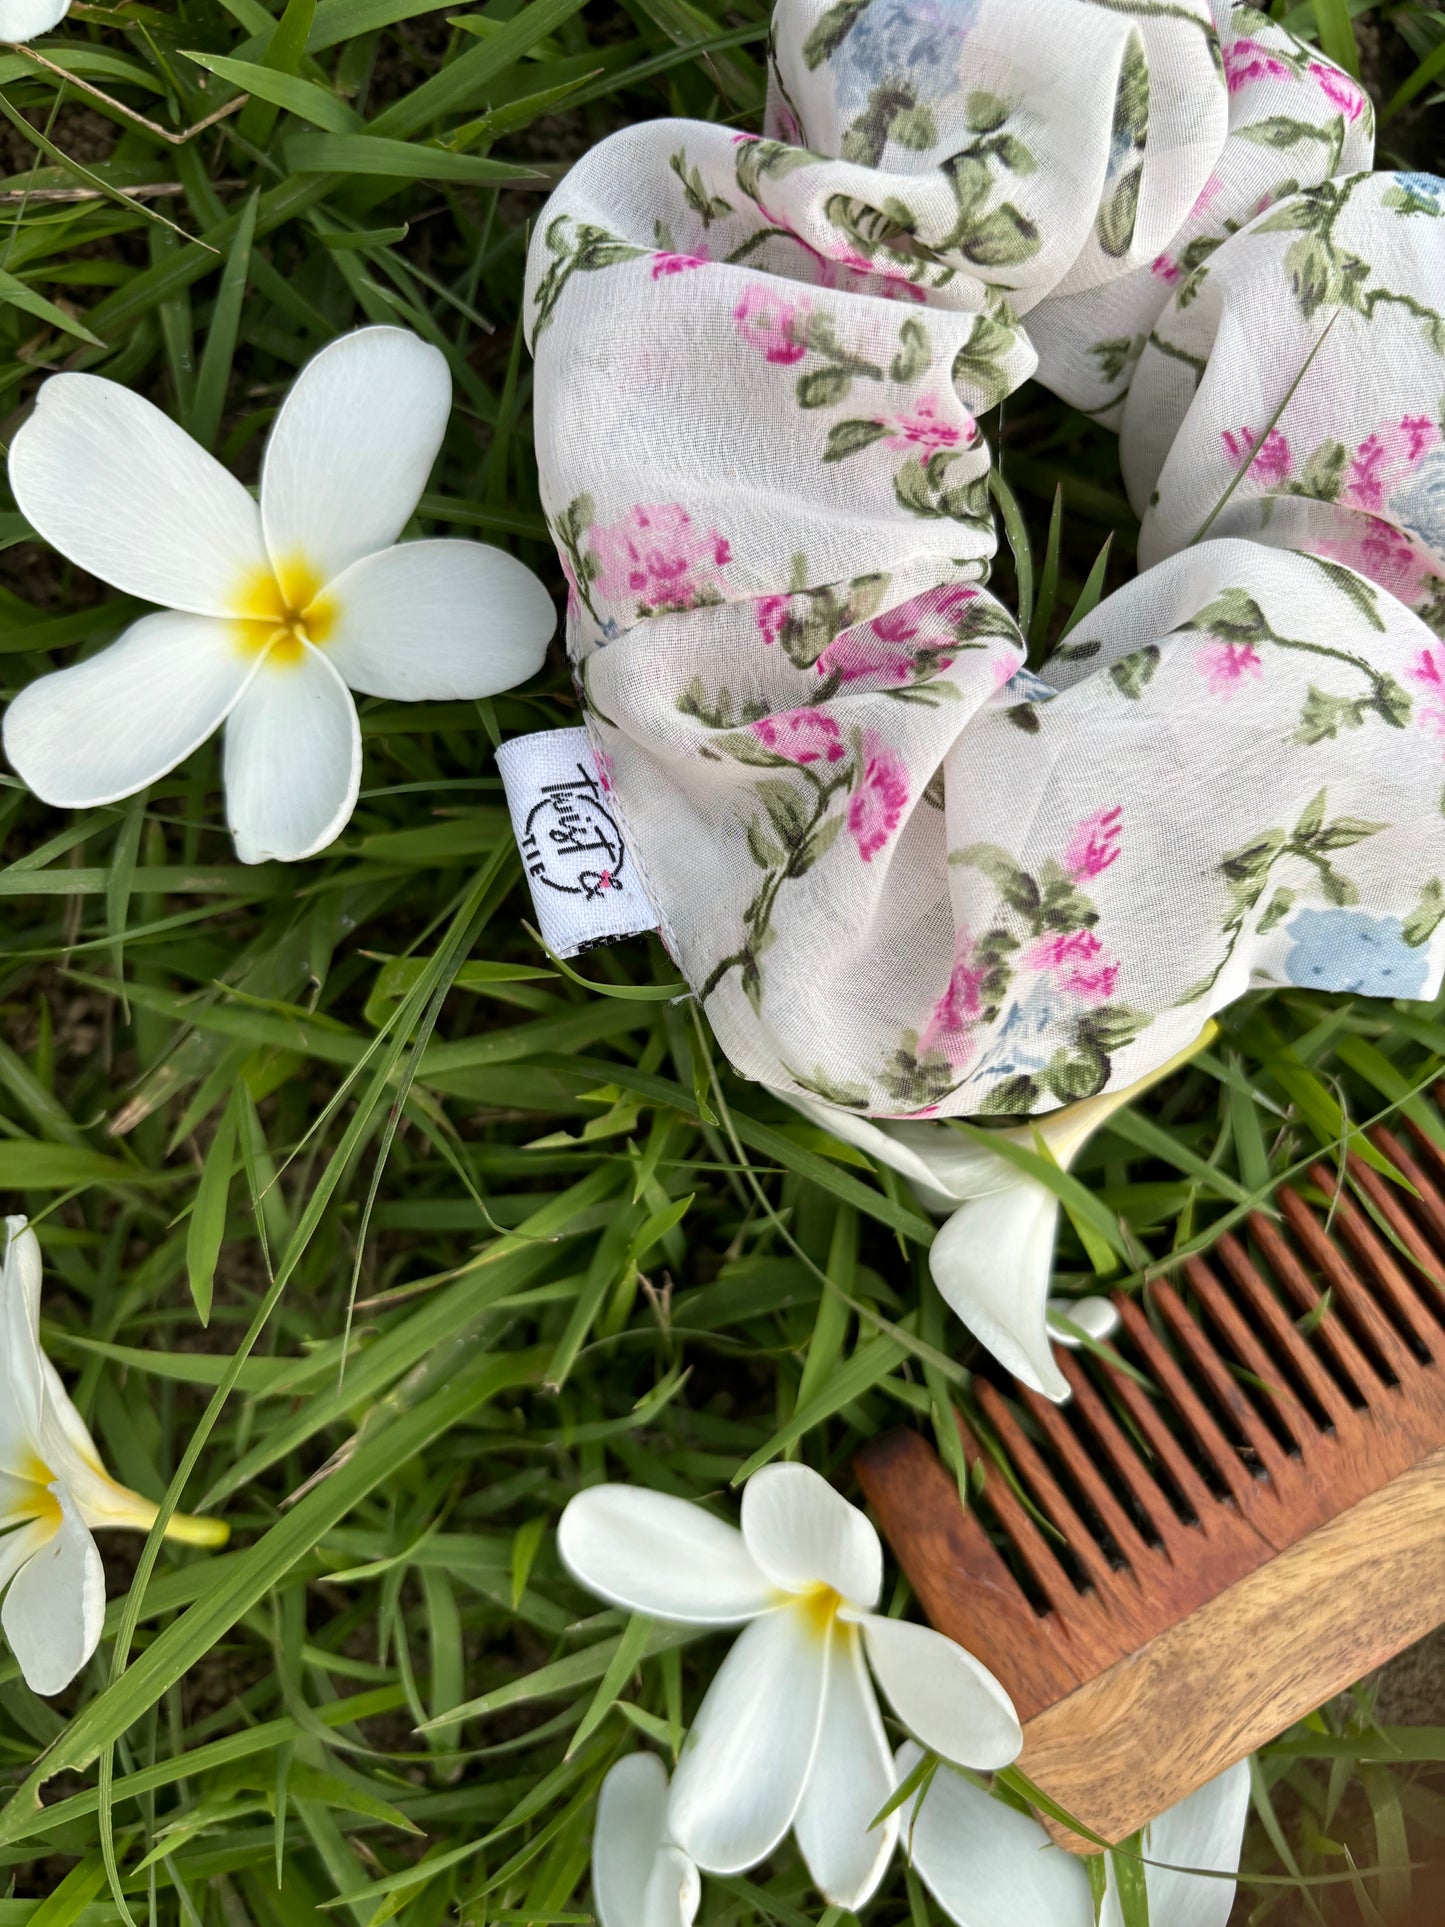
column 661, row 1555
column 104, row 728
column 802, row 1533
column 351, row 449
column 118, row 487
column 293, row 760
column 943, row 1695
column 992, row 1262
column 54, row 1607
column 747, row 1759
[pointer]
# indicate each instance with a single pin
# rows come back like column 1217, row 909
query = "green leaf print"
column 849, row 437
column 831, row 31
column 1132, row 674
column 1427, row 916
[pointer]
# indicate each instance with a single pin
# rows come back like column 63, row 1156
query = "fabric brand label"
column 585, row 887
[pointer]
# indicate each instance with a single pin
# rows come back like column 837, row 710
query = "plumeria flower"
column 988, row 1865
column 789, row 1733
column 23, row 19
column 273, row 612
column 993, row 1258
column 53, row 1492
column 639, row 1878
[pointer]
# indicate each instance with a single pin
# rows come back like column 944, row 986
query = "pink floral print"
column 946, row 1033
column 1429, row 675
column 1271, row 463
column 1389, row 556
column 1094, row 844
column 656, row 558
column 771, row 323
column 1078, row 962
column 925, row 428
column 1384, row 459
column 666, row 263
column 802, row 735
column 1247, row 61
column 771, row 613
column 1226, row 666
column 897, row 645
column 878, row 804
column 1338, row 88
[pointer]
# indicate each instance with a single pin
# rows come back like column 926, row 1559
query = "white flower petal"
column 986, row 1864
column 959, row 1166
column 17, row 1547
column 293, row 760
column 629, row 1832
column 54, row 1607
column 115, row 485
column 1205, row 1831
column 68, row 1449
column 1096, row 1316
column 351, row 449
column 851, row 1779
column 22, row 1364
column 660, row 1555
column 907, row 1158
column 942, row 1694
column 22, row 1268
column 992, row 1262
column 802, row 1533
column 23, row 19
column 752, row 1745
column 673, row 1892
column 106, row 727
column 427, row 621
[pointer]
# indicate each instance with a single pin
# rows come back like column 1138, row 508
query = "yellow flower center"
column 40, row 1502
column 819, row 1607
column 279, row 611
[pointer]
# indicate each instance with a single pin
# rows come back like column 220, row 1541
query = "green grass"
column 366, row 1227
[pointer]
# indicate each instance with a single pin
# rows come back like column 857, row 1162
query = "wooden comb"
column 1233, row 1547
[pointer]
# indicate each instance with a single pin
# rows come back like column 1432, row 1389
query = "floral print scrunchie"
column 902, row 873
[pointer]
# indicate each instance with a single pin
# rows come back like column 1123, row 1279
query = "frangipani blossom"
column 639, row 1878
column 988, row 1865
column 993, row 1258
column 23, row 19
column 789, row 1733
column 53, row 1492
column 273, row 612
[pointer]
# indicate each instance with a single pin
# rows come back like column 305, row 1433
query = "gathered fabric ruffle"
column 903, row 874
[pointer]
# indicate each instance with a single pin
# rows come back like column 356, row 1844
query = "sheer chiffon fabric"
column 904, row 874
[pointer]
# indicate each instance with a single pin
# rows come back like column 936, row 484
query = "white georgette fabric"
column 904, row 874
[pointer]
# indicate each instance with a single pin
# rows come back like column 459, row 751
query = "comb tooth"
column 1048, row 1494
column 1430, row 1205
column 1085, row 1631
column 1251, row 1421
column 1389, row 1201
column 1344, row 1280
column 1289, row 1407
column 1256, row 1294
column 966, row 1586
column 1145, row 1414
column 1161, row 1366
column 1430, row 1152
column 1088, row 1477
column 1124, row 1454
column 1332, row 1329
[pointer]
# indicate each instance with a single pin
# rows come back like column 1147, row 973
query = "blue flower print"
column 915, row 41
column 1420, row 504
column 1429, row 187
column 1348, row 950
